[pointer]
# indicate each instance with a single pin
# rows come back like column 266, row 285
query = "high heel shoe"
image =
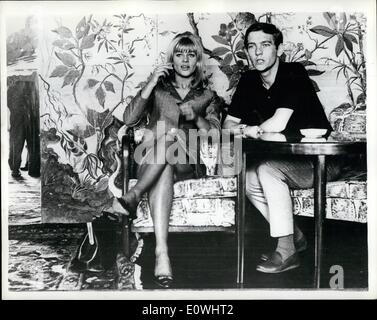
column 129, row 202
column 163, row 274
column 164, row 282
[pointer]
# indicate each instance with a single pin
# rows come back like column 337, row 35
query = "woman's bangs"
column 186, row 45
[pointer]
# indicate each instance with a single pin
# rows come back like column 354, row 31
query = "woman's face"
column 184, row 63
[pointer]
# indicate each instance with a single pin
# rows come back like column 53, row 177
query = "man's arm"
column 278, row 122
column 233, row 124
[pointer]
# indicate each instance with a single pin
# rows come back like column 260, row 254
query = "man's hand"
column 273, row 136
column 252, row 131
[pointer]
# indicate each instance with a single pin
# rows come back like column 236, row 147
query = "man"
column 276, row 97
column 23, row 104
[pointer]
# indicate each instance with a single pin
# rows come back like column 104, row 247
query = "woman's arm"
column 139, row 104
column 212, row 115
column 211, row 119
column 135, row 110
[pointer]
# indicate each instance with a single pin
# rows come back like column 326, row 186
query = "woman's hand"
column 161, row 70
column 188, row 111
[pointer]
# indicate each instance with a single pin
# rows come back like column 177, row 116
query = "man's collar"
column 270, row 83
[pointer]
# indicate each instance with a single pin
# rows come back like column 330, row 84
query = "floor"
column 209, row 261
column 24, row 200
column 40, row 255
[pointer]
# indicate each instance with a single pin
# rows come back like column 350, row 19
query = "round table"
column 279, row 144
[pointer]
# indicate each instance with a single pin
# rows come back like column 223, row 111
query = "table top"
column 334, row 144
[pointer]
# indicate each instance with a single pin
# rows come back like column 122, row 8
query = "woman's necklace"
column 182, row 89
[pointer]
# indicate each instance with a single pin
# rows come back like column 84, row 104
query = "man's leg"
column 277, row 194
column 16, row 144
column 276, row 178
column 273, row 180
column 255, row 193
column 269, row 190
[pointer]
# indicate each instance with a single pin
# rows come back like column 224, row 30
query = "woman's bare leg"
column 148, row 173
column 160, row 201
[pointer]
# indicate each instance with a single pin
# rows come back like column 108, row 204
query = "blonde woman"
column 177, row 97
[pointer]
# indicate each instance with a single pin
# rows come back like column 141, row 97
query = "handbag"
column 100, row 255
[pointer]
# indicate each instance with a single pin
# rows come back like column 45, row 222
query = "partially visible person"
column 177, row 95
column 276, row 97
column 18, row 104
column 23, row 105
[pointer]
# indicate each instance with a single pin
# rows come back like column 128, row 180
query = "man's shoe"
column 276, row 264
column 301, row 245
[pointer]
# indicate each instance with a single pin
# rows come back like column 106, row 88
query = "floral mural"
column 91, row 66
column 79, row 189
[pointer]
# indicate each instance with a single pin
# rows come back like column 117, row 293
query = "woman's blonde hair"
column 185, row 42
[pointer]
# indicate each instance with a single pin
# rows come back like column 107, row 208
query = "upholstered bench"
column 211, row 202
column 207, row 202
column 345, row 200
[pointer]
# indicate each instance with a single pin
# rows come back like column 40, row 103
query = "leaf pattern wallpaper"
column 91, row 65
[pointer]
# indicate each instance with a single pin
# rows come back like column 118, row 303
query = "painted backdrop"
column 90, row 66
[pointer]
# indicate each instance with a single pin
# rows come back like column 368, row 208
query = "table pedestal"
column 319, row 213
column 240, row 221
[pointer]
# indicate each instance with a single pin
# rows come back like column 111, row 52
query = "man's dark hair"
column 268, row 28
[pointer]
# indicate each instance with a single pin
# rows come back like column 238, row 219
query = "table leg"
column 319, row 213
column 125, row 237
column 240, row 222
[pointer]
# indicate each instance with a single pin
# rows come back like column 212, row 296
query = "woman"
column 176, row 96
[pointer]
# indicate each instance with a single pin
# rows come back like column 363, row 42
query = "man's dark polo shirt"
column 292, row 89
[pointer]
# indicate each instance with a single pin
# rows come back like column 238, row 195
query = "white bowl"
column 313, row 132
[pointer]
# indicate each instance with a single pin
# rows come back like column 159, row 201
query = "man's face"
column 262, row 50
